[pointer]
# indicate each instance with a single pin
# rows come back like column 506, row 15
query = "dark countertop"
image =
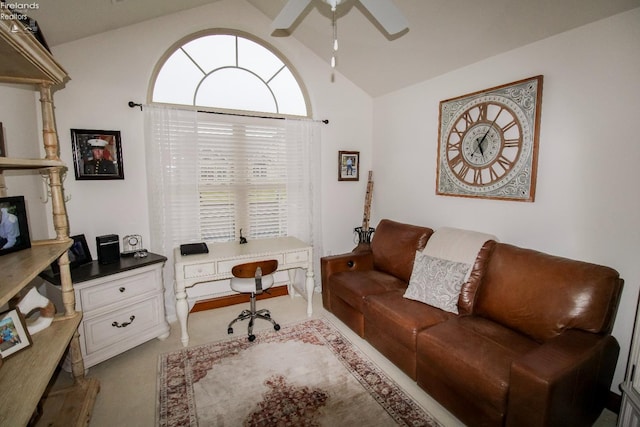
column 94, row 269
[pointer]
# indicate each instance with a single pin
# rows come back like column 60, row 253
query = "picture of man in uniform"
column 100, row 162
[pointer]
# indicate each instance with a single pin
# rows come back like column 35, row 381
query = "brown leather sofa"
column 530, row 346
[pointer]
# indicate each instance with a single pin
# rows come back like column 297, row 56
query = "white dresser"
column 630, row 408
column 122, row 305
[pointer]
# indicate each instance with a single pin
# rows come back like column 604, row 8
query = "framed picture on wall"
column 14, row 229
column 348, row 165
column 97, row 154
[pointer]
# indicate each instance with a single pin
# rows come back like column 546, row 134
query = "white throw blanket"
column 457, row 245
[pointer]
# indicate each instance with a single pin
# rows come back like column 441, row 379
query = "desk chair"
column 253, row 278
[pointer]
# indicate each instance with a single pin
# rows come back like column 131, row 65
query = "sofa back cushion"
column 541, row 295
column 394, row 247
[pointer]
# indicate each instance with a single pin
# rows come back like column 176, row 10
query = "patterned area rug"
column 306, row 374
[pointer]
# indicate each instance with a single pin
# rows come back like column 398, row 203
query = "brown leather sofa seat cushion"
column 542, row 295
column 465, row 363
column 402, row 317
column 352, row 286
column 394, row 247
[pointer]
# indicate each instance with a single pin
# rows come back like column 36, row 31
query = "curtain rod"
column 325, row 121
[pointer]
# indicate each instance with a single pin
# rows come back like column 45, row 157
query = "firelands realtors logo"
column 18, row 12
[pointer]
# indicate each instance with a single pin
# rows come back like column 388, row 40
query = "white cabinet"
column 122, row 305
column 630, row 408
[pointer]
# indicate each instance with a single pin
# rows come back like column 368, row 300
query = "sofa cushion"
column 394, row 245
column 470, row 287
column 455, row 244
column 465, row 364
column 518, row 282
column 353, row 286
column 402, row 317
column 437, row 281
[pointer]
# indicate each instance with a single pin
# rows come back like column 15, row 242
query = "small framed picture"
column 13, row 333
column 348, row 165
column 97, row 154
column 78, row 253
column 3, row 149
column 14, row 228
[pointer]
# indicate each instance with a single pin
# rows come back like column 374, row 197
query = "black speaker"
column 108, row 248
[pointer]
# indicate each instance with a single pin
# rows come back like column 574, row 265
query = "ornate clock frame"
column 488, row 142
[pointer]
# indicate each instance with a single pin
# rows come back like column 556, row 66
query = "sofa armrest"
column 565, row 381
column 352, row 261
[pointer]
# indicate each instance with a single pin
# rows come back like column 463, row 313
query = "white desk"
column 290, row 252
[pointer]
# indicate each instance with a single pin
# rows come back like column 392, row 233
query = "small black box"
column 108, row 248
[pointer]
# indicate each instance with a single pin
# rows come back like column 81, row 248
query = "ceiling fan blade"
column 387, row 14
column 289, row 14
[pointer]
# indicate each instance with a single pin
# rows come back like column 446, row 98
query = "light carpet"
column 306, row 374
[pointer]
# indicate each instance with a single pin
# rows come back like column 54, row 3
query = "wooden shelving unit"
column 24, row 376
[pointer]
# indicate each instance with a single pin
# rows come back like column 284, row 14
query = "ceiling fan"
column 384, row 11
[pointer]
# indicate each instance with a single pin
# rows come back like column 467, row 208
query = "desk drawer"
column 226, row 265
column 199, row 270
column 118, row 291
column 295, row 257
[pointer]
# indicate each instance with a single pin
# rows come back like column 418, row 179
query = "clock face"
column 487, row 143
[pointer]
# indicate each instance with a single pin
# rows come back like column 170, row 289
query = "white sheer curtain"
column 174, row 138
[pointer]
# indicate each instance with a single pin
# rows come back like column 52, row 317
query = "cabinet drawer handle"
column 122, row 289
column 125, row 324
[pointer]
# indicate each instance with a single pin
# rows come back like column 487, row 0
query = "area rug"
column 307, row 374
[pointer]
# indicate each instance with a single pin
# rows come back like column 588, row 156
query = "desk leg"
column 292, row 277
column 310, row 285
column 182, row 311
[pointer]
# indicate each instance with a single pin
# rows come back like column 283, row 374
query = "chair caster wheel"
column 252, row 338
column 268, row 315
column 230, row 331
column 276, row 327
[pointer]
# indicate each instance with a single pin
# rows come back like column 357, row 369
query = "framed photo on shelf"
column 13, row 333
column 78, row 253
column 97, row 154
column 348, row 165
column 14, row 228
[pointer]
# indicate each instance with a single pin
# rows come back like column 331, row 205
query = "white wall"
column 109, row 69
column 587, row 203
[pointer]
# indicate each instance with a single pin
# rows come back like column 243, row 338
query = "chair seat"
column 248, row 285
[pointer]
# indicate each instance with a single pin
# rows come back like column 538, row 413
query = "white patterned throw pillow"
column 436, row 281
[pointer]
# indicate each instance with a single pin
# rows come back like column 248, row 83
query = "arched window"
column 229, row 172
column 229, row 70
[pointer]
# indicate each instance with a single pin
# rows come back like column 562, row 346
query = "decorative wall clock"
column 488, row 142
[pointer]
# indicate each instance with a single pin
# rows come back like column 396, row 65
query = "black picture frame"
column 14, row 227
column 348, row 165
column 85, row 149
column 79, row 254
column 3, row 149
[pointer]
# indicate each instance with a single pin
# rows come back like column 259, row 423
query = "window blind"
column 209, row 175
column 217, row 174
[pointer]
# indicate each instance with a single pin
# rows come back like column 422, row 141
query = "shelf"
column 24, row 376
column 19, row 268
column 24, row 60
column 7, row 163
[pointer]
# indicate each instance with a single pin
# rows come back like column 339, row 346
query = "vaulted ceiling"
column 443, row 34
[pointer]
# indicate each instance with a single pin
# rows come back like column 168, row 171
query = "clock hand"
column 485, row 135
column 478, row 147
